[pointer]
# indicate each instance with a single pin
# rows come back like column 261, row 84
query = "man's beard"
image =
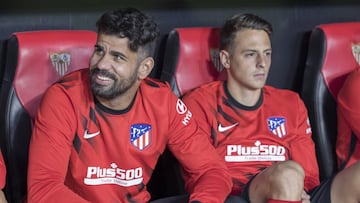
column 117, row 88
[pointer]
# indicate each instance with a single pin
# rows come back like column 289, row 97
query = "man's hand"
column 305, row 198
column 2, row 197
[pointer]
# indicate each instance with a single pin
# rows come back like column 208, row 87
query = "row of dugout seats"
column 32, row 61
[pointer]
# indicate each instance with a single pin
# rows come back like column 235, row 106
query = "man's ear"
column 145, row 67
column 224, row 58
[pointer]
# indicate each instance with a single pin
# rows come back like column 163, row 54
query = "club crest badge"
column 356, row 52
column 140, row 135
column 60, row 62
column 277, row 125
column 215, row 59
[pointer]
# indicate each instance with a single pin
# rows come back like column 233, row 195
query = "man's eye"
column 119, row 57
column 98, row 51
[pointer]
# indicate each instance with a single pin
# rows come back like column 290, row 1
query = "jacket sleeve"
column 2, row 172
column 207, row 178
column 49, row 152
column 303, row 148
column 198, row 110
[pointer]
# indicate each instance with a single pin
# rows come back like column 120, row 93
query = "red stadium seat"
column 191, row 58
column 34, row 60
column 329, row 61
column 187, row 64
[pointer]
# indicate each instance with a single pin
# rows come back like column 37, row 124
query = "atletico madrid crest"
column 277, row 125
column 140, row 135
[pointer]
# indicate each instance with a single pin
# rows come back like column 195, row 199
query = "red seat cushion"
column 190, row 57
column 35, row 70
column 339, row 59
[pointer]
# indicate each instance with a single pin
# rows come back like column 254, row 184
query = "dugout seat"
column 187, row 64
column 34, row 60
column 190, row 60
column 330, row 59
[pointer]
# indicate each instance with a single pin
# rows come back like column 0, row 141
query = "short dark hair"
column 239, row 22
column 141, row 30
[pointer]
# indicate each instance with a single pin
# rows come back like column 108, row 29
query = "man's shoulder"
column 75, row 77
column 204, row 89
column 155, row 83
column 155, row 88
column 75, row 82
column 353, row 79
column 280, row 93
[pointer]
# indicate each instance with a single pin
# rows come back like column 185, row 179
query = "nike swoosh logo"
column 90, row 135
column 223, row 129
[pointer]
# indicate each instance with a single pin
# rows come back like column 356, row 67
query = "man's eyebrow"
column 116, row 53
column 249, row 50
column 98, row 46
column 255, row 50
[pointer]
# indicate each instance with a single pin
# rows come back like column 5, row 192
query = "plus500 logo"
column 258, row 149
column 119, row 173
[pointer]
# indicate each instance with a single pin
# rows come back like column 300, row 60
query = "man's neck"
column 245, row 96
column 120, row 102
